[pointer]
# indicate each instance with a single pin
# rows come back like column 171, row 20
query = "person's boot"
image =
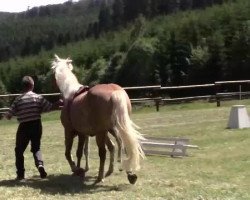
column 20, row 176
column 42, row 171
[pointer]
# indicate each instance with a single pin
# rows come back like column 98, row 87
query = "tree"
column 153, row 8
column 96, row 30
column 105, row 20
column 199, row 4
column 118, row 13
column 49, row 41
column 60, row 39
column 172, row 60
column 90, row 30
column 186, row 4
column 27, row 48
column 138, row 30
column 132, row 9
column 32, row 12
column 179, row 54
column 2, row 91
column 5, row 52
column 163, row 6
column 97, row 72
column 238, row 53
column 44, row 11
column 138, row 68
column 113, row 68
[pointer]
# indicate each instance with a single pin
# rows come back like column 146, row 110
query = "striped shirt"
column 29, row 106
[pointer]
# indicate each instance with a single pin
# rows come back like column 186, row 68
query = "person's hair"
column 27, row 82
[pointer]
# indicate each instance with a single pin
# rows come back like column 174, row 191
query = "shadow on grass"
column 64, row 184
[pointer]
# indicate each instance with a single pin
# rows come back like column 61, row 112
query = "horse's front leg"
column 79, row 150
column 100, row 141
column 83, row 142
column 69, row 137
column 79, row 171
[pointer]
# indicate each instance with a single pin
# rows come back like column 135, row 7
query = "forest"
column 132, row 43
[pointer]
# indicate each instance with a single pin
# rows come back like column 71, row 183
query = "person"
column 28, row 108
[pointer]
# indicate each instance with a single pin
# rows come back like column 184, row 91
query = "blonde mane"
column 65, row 79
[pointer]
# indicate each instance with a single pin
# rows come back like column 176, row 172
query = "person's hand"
column 58, row 105
column 60, row 102
column 7, row 115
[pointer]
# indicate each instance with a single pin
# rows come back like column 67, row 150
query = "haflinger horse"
column 103, row 108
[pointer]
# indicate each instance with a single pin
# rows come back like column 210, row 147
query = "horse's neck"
column 68, row 84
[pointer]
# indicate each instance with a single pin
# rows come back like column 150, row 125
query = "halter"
column 81, row 90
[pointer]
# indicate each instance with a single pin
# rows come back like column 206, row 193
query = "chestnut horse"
column 103, row 108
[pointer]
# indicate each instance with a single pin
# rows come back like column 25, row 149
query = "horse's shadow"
column 64, row 184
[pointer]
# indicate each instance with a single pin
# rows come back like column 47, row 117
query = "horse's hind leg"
column 100, row 141
column 111, row 148
column 119, row 144
column 86, row 153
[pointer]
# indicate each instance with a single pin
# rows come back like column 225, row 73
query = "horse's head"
column 64, row 78
column 59, row 64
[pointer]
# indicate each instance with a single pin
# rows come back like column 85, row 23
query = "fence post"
column 217, row 100
column 217, row 89
column 156, row 95
column 157, row 103
column 240, row 92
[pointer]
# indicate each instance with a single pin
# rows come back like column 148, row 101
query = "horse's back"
column 103, row 93
column 104, row 89
column 94, row 109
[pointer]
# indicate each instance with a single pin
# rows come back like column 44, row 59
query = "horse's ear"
column 57, row 58
column 70, row 66
column 69, row 61
column 55, row 61
column 53, row 66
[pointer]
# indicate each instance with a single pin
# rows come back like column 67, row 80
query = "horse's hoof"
column 98, row 181
column 132, row 178
column 86, row 169
column 120, row 169
column 108, row 173
column 79, row 172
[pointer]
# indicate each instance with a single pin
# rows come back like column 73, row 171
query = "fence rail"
column 157, row 98
column 166, row 146
column 187, row 86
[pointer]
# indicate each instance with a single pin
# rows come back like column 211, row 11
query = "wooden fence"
column 157, row 92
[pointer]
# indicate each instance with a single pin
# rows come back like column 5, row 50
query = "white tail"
column 126, row 130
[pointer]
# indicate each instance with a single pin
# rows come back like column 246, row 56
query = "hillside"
column 178, row 48
column 42, row 28
column 27, row 33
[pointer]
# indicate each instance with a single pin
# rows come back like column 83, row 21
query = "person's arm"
column 47, row 106
column 7, row 115
column 57, row 105
column 11, row 112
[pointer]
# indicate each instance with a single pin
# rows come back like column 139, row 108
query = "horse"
column 103, row 108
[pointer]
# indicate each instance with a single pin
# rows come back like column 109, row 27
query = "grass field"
column 219, row 169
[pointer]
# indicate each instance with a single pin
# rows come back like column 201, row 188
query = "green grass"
column 219, row 169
